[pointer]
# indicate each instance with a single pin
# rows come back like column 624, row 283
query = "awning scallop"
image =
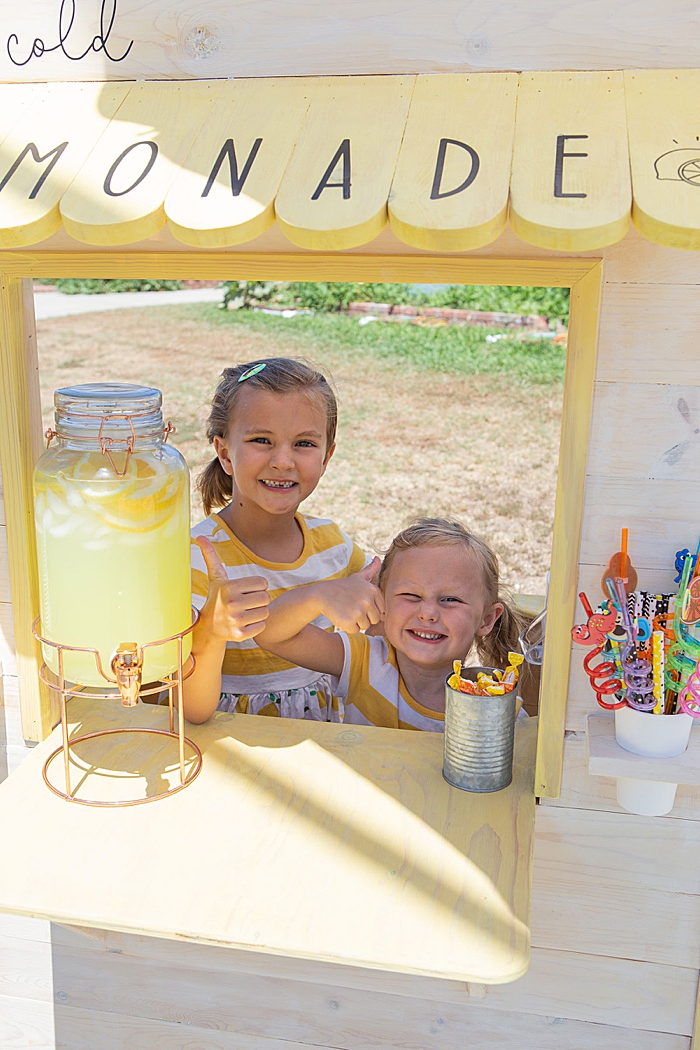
column 445, row 159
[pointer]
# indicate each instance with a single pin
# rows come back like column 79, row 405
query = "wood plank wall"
column 607, row 883
column 69, row 987
column 226, row 38
column 616, row 916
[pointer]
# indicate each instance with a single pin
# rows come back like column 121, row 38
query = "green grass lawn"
column 449, row 349
column 433, row 421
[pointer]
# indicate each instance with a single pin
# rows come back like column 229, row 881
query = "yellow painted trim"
column 552, row 103
column 88, row 109
column 128, row 232
column 20, row 443
column 225, row 236
column 468, row 239
column 340, row 239
column 665, row 233
column 582, row 275
column 31, row 232
column 661, row 114
column 561, row 240
column 559, row 273
column 442, row 109
column 568, row 516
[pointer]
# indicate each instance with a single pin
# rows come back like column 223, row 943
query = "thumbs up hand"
column 354, row 603
column 235, row 609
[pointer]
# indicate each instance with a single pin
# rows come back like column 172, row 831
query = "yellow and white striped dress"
column 254, row 681
column 373, row 692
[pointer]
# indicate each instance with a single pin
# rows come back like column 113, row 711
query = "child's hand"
column 354, row 604
column 234, row 609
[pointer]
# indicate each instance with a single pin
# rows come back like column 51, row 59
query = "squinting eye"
column 449, row 599
column 260, row 441
column 307, row 444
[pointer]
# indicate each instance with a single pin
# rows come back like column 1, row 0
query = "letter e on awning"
column 570, row 188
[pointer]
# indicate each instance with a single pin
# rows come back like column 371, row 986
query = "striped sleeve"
column 368, row 682
column 358, row 560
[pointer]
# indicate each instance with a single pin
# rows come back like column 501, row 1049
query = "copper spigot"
column 127, row 665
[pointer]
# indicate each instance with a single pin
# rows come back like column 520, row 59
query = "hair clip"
column 252, row 372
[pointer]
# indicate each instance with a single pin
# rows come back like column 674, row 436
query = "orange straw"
column 623, row 554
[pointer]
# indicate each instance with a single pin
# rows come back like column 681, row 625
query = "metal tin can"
column 479, row 732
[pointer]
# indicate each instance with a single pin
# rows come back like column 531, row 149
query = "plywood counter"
column 299, row 839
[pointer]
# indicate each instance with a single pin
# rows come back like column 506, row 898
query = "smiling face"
column 436, row 604
column 275, row 449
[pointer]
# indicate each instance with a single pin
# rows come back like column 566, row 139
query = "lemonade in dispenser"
column 112, row 527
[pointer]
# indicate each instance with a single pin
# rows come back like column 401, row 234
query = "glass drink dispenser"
column 112, row 526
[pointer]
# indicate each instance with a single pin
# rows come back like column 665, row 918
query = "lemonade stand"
column 316, row 884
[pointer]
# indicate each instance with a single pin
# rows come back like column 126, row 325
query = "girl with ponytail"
column 440, row 598
column 272, row 426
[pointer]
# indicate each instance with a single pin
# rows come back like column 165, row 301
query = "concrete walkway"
column 57, row 304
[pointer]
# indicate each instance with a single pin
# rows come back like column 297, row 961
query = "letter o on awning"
column 446, row 160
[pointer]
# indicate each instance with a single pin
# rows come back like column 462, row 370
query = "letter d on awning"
column 450, row 191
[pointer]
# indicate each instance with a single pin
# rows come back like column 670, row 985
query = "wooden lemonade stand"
column 321, row 885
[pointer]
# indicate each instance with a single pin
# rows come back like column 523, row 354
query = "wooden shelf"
column 303, row 839
column 607, row 759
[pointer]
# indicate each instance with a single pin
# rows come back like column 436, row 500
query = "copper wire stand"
column 129, row 697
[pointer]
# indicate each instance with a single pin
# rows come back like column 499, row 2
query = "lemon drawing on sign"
column 679, row 165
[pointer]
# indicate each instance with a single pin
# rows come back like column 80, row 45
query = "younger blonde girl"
column 439, row 597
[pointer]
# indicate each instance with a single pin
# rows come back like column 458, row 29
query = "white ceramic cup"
column 653, row 736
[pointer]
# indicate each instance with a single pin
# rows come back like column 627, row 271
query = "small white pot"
column 653, row 736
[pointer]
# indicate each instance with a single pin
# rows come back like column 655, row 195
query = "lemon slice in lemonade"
column 96, row 479
column 150, row 499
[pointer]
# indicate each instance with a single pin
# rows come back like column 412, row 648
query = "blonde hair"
column 494, row 647
column 279, row 375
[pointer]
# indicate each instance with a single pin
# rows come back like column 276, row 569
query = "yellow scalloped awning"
column 446, row 160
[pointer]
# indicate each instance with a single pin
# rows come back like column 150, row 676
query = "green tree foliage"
column 92, row 286
column 332, row 297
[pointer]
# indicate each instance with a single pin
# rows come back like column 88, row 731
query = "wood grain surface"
column 201, row 987
column 62, row 125
column 20, row 442
column 617, row 884
column 606, row 758
column 297, row 838
column 118, row 194
column 665, row 155
column 330, row 200
column 580, row 790
column 30, row 1024
column 291, row 265
column 570, row 187
column 476, row 112
column 237, row 39
column 333, row 151
column 566, row 533
column 261, row 120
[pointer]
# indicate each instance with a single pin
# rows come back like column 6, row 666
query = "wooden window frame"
column 20, row 422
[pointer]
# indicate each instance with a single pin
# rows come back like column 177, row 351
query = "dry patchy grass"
column 410, row 442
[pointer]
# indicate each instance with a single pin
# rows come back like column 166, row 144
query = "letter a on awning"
column 446, row 160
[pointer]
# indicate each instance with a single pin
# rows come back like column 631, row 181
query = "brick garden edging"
column 442, row 313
